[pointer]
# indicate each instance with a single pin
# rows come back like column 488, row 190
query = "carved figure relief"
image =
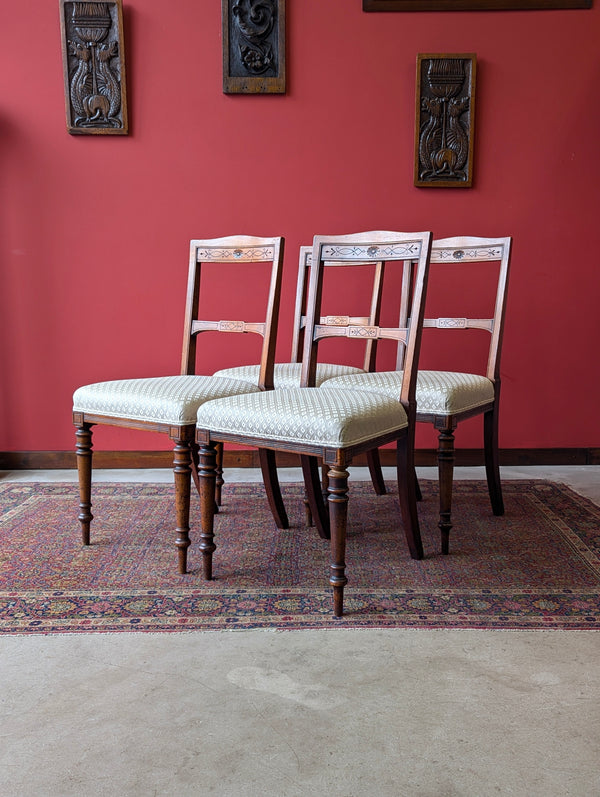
column 253, row 46
column 94, row 67
column 444, row 120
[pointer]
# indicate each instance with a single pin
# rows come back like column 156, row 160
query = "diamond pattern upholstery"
column 163, row 399
column 286, row 375
column 438, row 392
column 315, row 416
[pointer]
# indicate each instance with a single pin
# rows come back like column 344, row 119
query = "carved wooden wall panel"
column 472, row 5
column 444, row 120
column 94, row 67
column 253, row 46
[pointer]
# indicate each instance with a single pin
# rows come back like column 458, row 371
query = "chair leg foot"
column 207, row 473
column 338, row 512
column 84, row 451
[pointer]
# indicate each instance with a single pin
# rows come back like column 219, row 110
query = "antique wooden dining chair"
column 444, row 398
column 287, row 375
column 332, row 424
column 168, row 404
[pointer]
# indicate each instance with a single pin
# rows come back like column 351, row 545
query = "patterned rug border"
column 217, row 608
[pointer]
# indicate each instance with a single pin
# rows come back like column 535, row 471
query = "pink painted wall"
column 94, row 231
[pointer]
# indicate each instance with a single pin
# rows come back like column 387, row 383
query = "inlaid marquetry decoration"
column 371, row 251
column 253, row 46
column 444, row 120
column 94, row 67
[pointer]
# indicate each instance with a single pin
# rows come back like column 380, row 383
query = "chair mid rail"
column 228, row 326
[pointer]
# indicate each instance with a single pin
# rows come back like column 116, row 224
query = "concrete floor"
column 288, row 714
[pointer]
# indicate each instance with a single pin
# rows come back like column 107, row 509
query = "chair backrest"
column 246, row 251
column 390, row 248
column 458, row 250
column 301, row 302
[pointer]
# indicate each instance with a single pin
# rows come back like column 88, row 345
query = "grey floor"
column 262, row 713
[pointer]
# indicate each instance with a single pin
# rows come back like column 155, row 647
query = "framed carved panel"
column 94, row 67
column 471, row 5
column 253, row 46
column 444, row 120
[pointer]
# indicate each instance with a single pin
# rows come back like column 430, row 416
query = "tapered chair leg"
column 407, row 496
column 492, row 463
column 446, row 474
column 83, row 437
column 268, row 466
column 316, row 506
column 338, row 513
column 374, row 463
column 207, row 473
column 182, row 468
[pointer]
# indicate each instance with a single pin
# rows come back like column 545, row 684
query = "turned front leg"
column 83, row 437
column 182, row 468
column 338, row 519
column 208, row 476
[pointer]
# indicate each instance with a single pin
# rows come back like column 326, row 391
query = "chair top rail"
column 234, row 249
column 470, row 249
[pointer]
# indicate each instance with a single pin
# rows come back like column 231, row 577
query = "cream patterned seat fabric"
column 438, row 392
column 286, row 375
column 316, row 416
column 163, row 399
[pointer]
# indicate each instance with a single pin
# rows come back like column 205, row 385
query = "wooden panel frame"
column 445, row 120
column 94, row 67
column 253, row 50
column 472, row 5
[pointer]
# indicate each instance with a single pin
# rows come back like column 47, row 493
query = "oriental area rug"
column 536, row 567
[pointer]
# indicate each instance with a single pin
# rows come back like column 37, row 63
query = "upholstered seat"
column 438, row 392
column 286, row 375
column 321, row 417
column 161, row 399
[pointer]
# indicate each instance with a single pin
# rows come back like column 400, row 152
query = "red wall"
column 94, row 230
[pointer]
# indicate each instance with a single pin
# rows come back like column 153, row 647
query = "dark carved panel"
column 94, row 67
column 444, row 123
column 253, row 46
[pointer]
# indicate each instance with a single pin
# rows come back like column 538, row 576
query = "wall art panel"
column 94, row 67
